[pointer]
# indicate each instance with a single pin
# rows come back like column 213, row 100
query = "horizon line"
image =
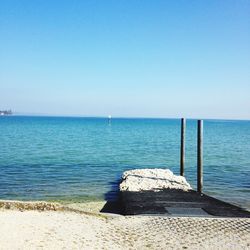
column 123, row 117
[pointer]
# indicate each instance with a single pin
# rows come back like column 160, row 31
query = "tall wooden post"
column 200, row 156
column 182, row 154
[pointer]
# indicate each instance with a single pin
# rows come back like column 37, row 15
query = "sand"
column 73, row 230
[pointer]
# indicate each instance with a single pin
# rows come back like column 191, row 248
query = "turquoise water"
column 58, row 158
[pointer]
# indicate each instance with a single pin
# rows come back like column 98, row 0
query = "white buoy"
column 109, row 117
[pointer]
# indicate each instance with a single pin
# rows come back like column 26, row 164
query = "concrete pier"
column 171, row 201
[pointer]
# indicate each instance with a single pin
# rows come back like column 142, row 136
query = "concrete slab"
column 187, row 212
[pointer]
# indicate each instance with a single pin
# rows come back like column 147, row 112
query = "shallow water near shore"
column 82, row 159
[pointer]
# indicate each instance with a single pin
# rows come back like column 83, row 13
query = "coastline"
column 86, row 156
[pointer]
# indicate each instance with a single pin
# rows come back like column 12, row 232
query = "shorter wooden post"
column 182, row 155
column 200, row 156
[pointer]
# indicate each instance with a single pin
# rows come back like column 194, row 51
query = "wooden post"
column 182, row 155
column 200, row 156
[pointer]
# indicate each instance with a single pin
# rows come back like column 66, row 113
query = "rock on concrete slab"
column 152, row 179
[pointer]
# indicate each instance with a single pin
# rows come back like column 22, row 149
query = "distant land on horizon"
column 6, row 112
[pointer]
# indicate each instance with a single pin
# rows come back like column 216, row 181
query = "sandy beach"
column 35, row 229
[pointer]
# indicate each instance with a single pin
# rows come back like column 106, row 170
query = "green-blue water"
column 58, row 158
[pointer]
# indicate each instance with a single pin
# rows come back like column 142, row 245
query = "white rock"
column 152, row 179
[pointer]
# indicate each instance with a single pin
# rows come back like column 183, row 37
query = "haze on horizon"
column 126, row 58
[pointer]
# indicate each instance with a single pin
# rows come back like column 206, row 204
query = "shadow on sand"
column 113, row 199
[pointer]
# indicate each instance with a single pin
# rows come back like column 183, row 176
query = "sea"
column 78, row 159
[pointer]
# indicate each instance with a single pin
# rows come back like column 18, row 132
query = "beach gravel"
column 71, row 230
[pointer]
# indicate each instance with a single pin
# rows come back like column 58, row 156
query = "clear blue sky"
column 126, row 58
